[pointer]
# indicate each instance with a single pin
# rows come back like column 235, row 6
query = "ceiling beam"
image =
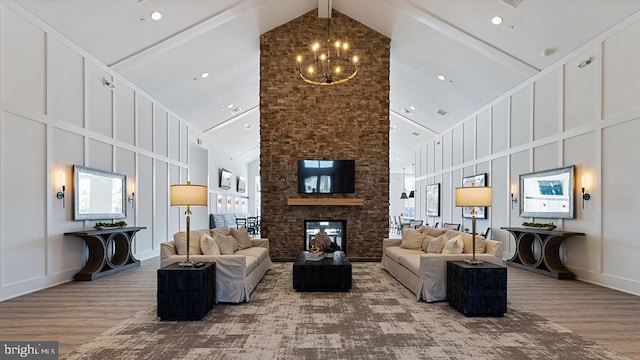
column 413, row 123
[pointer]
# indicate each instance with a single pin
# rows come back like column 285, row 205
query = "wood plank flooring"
column 76, row 312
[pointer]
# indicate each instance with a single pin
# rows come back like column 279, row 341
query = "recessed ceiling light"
column 442, row 77
column 156, row 15
column 247, row 126
column 229, row 106
column 496, row 20
column 394, row 126
column 204, row 75
column 412, row 107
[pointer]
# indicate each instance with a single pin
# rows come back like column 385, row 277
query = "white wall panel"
column 521, row 117
column 621, row 75
column 546, row 157
column 184, row 143
column 160, row 141
column 67, row 150
column 483, row 134
column 67, row 84
column 456, row 146
column 174, row 138
column 583, row 252
column 23, row 200
column 620, row 172
column 125, row 114
column 23, row 62
column 126, row 165
column 99, row 101
column 145, row 204
column 173, row 221
column 162, row 200
column 546, row 108
column 500, row 126
column 439, row 154
column 469, row 140
column 580, row 91
column 144, row 120
column 100, row 155
column 499, row 213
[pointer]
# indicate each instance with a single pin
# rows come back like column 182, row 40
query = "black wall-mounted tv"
column 326, row 176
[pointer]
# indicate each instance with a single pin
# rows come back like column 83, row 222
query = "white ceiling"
column 428, row 37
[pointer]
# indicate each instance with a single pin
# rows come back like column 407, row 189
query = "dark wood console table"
column 99, row 243
column 549, row 263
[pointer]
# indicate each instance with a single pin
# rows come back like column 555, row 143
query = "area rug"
column 377, row 319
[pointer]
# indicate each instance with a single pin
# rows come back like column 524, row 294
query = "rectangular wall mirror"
column 99, row 195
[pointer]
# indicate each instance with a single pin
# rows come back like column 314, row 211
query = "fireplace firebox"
column 336, row 230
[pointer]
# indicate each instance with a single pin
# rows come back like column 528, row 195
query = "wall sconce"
column 219, row 201
column 60, row 194
column 585, row 196
column 514, row 198
column 133, row 195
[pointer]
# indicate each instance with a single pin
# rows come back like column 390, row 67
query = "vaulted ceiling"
column 454, row 38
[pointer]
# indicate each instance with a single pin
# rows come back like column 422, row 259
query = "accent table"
column 549, row 241
column 477, row 290
column 186, row 293
column 99, row 243
column 328, row 274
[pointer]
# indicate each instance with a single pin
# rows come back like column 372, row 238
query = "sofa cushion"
column 412, row 239
column 251, row 263
column 395, row 252
column 242, row 237
column 227, row 244
column 468, row 244
column 454, row 246
column 260, row 253
column 208, row 246
column 436, row 244
column 180, row 239
column 411, row 262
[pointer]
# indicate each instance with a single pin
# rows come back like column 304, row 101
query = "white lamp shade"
column 187, row 194
column 473, row 196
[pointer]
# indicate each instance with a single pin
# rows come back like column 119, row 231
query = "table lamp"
column 188, row 195
column 473, row 197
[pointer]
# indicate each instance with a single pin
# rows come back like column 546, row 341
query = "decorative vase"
column 328, row 254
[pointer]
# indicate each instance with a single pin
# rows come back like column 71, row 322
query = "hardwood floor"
column 76, row 312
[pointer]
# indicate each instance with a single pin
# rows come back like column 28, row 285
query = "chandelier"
column 330, row 63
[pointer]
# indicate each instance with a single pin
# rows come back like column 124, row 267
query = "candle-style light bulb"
column 583, row 181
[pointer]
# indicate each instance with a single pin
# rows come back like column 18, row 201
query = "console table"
column 549, row 241
column 99, row 242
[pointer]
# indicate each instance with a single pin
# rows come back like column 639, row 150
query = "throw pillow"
column 425, row 242
column 208, row 246
column 435, row 231
column 221, row 230
column 468, row 244
column 242, row 237
column 454, row 246
column 437, row 244
column 180, row 239
column 227, row 244
column 412, row 239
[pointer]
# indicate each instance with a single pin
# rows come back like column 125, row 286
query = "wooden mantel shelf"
column 327, row 201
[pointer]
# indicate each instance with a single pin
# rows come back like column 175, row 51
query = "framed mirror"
column 99, row 195
column 548, row 194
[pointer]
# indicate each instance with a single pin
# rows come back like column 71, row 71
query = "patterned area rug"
column 377, row 319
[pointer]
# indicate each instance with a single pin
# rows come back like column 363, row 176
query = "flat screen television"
column 326, row 176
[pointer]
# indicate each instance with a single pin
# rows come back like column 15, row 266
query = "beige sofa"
column 419, row 259
column 241, row 262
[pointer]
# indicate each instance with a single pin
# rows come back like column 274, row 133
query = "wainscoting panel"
column 483, row 134
column 161, row 200
column 100, row 155
column 145, row 204
column 520, row 115
column 581, row 90
column 125, row 114
column 160, row 141
column 144, row 122
column 66, row 77
column 500, row 126
column 99, row 101
column 547, row 108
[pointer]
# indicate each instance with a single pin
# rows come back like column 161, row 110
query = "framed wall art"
column 242, row 184
column 433, row 200
column 225, row 179
column 475, row 180
column 548, row 194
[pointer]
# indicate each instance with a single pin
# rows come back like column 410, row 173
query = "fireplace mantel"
column 326, row 201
